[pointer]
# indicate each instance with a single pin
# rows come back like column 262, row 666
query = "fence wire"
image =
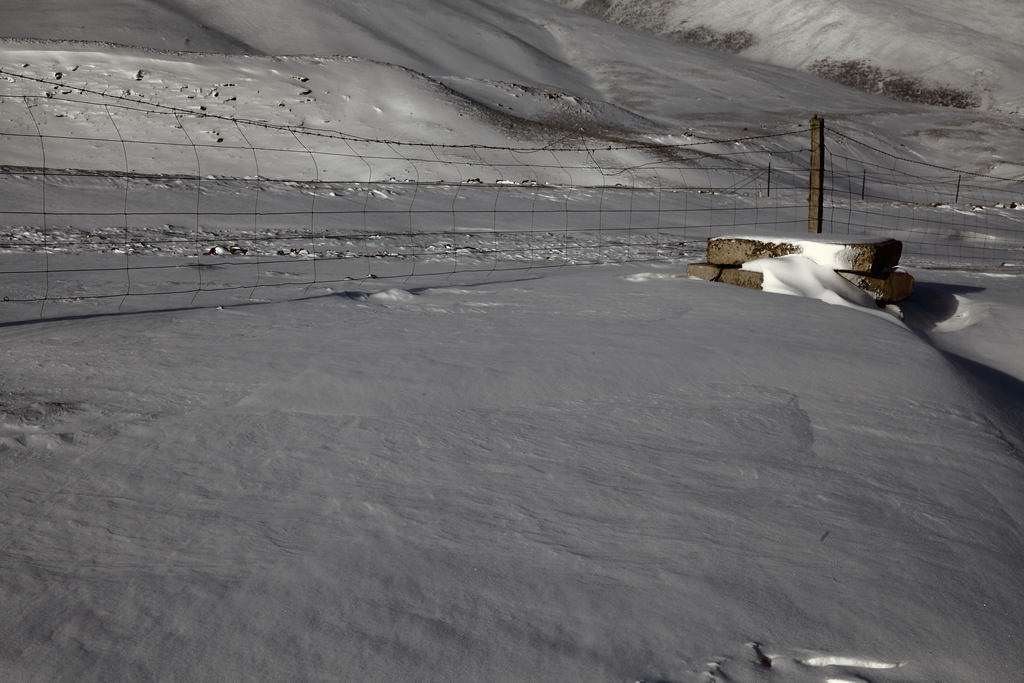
column 105, row 198
column 109, row 198
column 945, row 217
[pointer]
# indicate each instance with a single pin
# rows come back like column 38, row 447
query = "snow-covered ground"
column 371, row 453
column 605, row 473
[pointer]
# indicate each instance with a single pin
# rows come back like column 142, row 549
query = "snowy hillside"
column 494, row 53
column 946, row 50
column 971, row 47
column 424, row 442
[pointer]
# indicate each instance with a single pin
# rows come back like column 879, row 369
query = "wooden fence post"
column 814, row 198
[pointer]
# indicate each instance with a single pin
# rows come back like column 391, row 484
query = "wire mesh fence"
column 945, row 217
column 110, row 200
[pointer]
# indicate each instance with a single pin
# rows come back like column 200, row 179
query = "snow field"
column 589, row 467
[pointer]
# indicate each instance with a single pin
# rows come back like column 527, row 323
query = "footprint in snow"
column 800, row 666
column 841, row 668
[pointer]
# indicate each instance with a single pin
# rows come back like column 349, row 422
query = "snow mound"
column 644, row 277
column 391, row 296
column 798, row 275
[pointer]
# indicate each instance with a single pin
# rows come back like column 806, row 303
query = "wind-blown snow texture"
column 578, row 476
column 602, row 473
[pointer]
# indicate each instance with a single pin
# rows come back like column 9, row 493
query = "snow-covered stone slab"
column 884, row 288
column 855, row 254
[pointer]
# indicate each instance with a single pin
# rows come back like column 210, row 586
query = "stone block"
column 890, row 287
column 703, row 271
column 731, row 275
column 742, row 278
column 863, row 255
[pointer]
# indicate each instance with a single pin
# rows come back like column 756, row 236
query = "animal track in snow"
column 33, row 424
